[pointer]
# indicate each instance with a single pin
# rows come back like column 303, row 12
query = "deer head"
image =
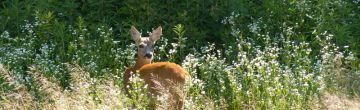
column 145, row 45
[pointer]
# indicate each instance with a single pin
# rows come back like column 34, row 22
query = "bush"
column 241, row 54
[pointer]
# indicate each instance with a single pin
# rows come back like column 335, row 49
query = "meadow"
column 241, row 54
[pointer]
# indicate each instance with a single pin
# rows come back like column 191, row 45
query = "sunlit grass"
column 271, row 77
column 48, row 64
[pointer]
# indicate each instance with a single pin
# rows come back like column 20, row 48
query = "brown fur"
column 170, row 77
column 161, row 72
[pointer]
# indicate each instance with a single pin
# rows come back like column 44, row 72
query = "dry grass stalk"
column 20, row 98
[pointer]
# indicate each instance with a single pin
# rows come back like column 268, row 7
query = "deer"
column 155, row 73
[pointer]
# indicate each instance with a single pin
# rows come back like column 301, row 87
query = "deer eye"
column 141, row 46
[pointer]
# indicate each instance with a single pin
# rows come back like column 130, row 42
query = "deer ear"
column 156, row 34
column 135, row 34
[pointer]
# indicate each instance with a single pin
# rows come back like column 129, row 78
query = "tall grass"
column 246, row 60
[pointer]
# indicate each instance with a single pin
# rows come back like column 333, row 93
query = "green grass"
column 241, row 54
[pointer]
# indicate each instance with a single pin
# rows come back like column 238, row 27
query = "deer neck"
column 141, row 61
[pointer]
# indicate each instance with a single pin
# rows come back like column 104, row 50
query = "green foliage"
column 139, row 93
column 242, row 54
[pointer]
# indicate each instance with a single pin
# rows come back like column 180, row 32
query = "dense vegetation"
column 242, row 54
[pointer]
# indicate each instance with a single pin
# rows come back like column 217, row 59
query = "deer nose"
column 148, row 55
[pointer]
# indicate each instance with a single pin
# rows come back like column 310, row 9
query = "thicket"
column 242, row 53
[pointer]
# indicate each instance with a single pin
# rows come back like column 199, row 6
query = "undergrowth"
column 284, row 57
